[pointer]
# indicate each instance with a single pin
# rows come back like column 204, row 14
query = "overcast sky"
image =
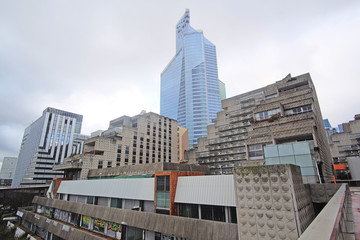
column 103, row 59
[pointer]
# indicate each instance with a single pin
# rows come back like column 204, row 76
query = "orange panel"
column 339, row 167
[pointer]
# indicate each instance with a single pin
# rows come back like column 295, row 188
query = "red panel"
column 339, row 167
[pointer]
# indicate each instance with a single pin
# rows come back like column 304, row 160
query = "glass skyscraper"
column 190, row 87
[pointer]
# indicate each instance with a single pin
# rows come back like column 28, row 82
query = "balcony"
column 69, row 165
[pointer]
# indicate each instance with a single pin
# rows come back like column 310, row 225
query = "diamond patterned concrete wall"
column 272, row 202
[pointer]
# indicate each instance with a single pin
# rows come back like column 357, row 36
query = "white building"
column 47, row 141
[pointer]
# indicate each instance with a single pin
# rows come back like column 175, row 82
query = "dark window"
column 116, row 203
column 109, row 164
column 163, row 211
column 90, row 200
column 216, row 213
column 188, row 210
column 206, row 212
column 233, row 218
column 100, row 164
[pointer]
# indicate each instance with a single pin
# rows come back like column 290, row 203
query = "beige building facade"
column 284, row 113
column 345, row 150
column 142, row 139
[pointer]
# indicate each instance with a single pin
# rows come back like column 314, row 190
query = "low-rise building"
column 181, row 202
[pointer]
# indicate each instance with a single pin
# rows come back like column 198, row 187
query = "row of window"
column 268, row 114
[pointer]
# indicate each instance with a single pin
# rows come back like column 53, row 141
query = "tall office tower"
column 47, row 141
column 278, row 124
column 190, row 84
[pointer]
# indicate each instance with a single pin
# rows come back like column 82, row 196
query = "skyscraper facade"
column 47, row 141
column 190, row 84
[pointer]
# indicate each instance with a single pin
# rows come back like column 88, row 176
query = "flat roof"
column 206, row 190
column 128, row 188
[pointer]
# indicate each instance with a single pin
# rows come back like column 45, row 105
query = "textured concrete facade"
column 172, row 225
column 142, row 139
column 272, row 202
column 345, row 150
column 284, row 112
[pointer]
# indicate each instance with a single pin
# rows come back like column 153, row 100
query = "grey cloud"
column 86, row 56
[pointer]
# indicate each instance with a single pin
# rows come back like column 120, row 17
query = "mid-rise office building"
column 279, row 123
column 345, row 150
column 141, row 139
column 190, row 87
column 46, row 142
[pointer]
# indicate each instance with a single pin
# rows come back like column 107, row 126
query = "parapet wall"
column 272, row 202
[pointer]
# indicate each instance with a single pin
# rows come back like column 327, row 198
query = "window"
column 100, row 164
column 256, row 152
column 188, row 210
column 216, row 213
column 133, row 160
column 109, row 164
column 233, row 218
column 90, row 200
column 163, row 191
column 118, row 156
column 298, row 110
column 116, row 203
column 267, row 114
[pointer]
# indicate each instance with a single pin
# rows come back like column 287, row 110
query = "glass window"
column 163, row 191
column 267, row 114
column 188, row 210
column 219, row 213
column 116, row 203
column 206, row 212
column 216, row 213
column 298, row 110
column 90, row 200
column 256, row 152
column 163, row 183
column 233, row 218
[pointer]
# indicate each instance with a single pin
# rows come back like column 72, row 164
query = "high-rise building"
column 279, row 123
column 138, row 140
column 190, row 84
column 7, row 170
column 47, row 141
column 345, row 150
column 329, row 129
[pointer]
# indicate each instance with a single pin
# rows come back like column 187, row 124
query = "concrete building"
column 142, row 139
column 279, row 123
column 181, row 202
column 46, row 142
column 345, row 150
column 190, row 87
column 7, row 171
